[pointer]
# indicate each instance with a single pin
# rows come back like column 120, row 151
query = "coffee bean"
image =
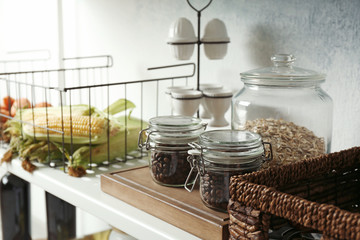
column 169, row 167
column 214, row 187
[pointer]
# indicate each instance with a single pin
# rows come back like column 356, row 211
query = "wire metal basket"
column 85, row 81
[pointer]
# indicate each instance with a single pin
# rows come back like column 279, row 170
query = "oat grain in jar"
column 287, row 107
column 167, row 140
column 220, row 154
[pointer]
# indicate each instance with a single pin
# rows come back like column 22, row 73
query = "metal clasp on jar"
column 194, row 158
column 141, row 144
column 269, row 156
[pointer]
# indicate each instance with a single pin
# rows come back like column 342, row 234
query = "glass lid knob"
column 283, row 60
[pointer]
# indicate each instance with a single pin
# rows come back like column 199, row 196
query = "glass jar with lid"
column 167, row 139
column 287, row 107
column 220, row 154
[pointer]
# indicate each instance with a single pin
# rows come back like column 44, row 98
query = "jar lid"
column 208, row 86
column 182, row 31
column 186, row 94
column 218, row 93
column 175, row 129
column 177, row 88
column 231, row 146
column 174, row 123
column 283, row 73
column 215, row 31
column 232, row 139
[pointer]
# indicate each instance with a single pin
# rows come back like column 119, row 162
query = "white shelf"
column 85, row 193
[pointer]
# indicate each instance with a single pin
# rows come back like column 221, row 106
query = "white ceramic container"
column 178, row 88
column 185, row 103
column 215, row 39
column 182, row 39
column 217, row 101
column 204, row 113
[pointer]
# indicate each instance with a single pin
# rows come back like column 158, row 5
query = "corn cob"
column 53, row 125
column 79, row 127
column 99, row 153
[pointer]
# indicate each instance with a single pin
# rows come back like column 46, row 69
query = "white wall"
column 28, row 25
column 323, row 35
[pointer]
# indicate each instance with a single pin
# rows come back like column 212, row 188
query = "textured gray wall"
column 324, row 35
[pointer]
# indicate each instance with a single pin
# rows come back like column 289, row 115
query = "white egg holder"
column 215, row 102
column 182, row 39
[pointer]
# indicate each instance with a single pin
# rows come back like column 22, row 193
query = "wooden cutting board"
column 173, row 205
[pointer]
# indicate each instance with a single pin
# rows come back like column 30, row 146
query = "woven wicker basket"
column 319, row 195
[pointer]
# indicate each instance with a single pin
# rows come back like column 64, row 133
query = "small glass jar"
column 287, row 107
column 220, row 154
column 167, row 140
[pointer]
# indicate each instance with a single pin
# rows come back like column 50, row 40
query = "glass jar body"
column 167, row 139
column 296, row 120
column 221, row 154
column 169, row 167
column 215, row 180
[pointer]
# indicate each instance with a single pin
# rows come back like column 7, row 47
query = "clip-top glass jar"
column 220, row 154
column 287, row 107
column 167, row 139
